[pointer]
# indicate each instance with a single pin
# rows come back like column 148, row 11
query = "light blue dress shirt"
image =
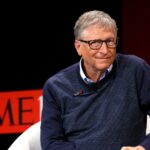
column 89, row 81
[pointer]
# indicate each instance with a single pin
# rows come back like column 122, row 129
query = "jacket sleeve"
column 52, row 134
column 143, row 76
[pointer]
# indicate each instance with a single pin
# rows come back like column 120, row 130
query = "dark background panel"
column 136, row 28
column 37, row 39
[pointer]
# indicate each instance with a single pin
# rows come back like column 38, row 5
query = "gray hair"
column 91, row 18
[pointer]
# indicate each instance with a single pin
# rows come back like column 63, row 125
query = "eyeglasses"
column 96, row 44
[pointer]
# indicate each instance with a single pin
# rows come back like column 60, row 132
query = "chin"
column 103, row 66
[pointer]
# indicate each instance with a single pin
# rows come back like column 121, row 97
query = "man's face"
column 101, row 58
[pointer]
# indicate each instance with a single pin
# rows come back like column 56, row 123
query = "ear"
column 77, row 45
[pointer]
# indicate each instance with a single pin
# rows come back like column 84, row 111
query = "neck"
column 94, row 75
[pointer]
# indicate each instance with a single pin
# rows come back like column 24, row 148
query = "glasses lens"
column 95, row 44
column 111, row 43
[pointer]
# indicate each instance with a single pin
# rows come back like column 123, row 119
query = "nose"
column 103, row 49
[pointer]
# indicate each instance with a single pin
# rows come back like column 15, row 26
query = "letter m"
column 8, row 110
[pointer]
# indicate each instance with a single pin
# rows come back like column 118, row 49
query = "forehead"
column 98, row 32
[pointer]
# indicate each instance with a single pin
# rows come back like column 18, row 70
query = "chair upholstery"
column 148, row 125
column 28, row 140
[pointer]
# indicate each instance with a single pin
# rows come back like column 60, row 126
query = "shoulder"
column 132, row 67
column 64, row 74
column 130, row 60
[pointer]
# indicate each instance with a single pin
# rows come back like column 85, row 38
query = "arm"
column 144, row 95
column 52, row 134
column 143, row 87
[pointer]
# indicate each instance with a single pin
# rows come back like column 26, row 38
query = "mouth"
column 103, row 58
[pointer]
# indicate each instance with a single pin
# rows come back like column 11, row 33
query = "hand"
column 133, row 148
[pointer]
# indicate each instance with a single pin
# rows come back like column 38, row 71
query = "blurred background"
column 37, row 39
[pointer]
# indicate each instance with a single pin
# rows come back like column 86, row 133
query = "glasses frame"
column 100, row 42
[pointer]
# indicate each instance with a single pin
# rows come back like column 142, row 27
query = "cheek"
column 89, row 59
column 87, row 55
column 113, row 55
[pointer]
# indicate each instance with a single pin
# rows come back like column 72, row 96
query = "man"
column 100, row 103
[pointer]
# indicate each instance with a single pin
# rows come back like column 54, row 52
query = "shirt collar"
column 89, row 81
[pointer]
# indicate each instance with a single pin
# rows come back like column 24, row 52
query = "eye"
column 95, row 43
column 110, row 42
